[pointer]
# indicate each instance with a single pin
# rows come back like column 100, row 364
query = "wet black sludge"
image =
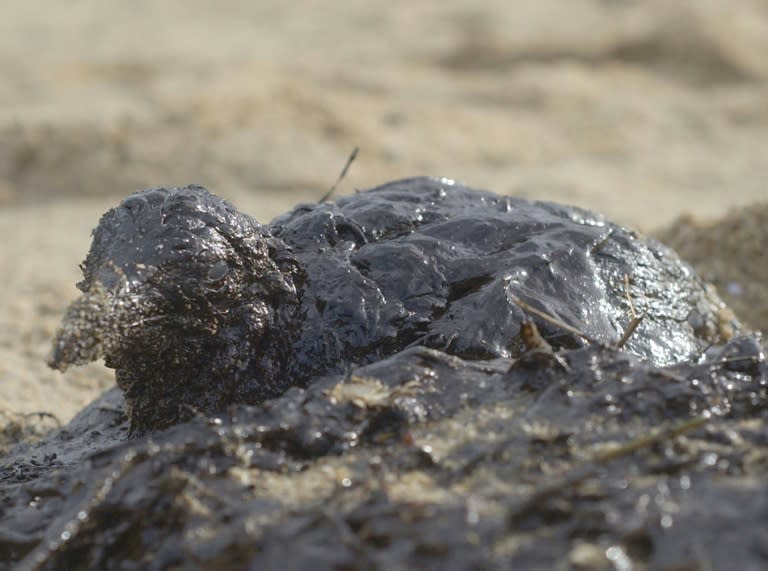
column 401, row 420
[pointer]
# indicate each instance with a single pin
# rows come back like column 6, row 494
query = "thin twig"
column 632, row 309
column 601, row 244
column 636, row 319
column 552, row 320
column 648, row 440
column 350, row 160
column 726, row 361
column 630, row 330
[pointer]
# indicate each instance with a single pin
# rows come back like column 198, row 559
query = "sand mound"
column 730, row 253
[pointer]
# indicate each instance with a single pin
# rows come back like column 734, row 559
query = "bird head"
column 173, row 277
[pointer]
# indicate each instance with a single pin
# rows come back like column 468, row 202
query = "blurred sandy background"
column 645, row 110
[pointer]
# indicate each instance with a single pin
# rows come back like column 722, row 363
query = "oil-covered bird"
column 196, row 305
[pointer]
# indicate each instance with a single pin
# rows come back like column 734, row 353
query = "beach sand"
column 644, row 111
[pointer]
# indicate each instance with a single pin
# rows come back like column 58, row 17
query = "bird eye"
column 218, row 271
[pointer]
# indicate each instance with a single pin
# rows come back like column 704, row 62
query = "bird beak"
column 83, row 332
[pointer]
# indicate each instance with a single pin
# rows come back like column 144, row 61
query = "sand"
column 645, row 111
column 730, row 253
